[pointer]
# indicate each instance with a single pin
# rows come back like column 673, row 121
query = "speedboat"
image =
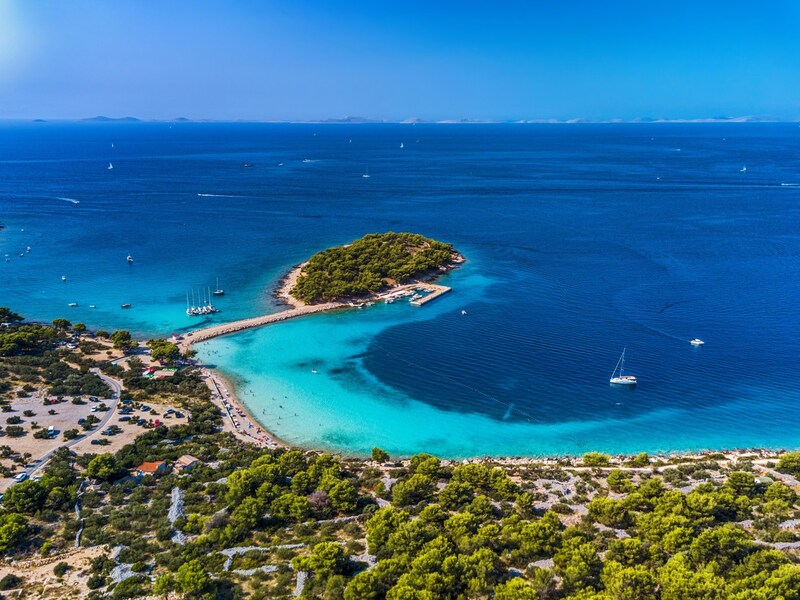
column 72, row 304
column 63, row 277
column 129, row 259
column 696, row 342
column 126, row 305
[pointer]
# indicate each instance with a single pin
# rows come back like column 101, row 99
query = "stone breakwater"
column 227, row 328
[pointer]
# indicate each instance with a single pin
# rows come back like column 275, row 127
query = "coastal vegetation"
column 369, row 264
column 253, row 522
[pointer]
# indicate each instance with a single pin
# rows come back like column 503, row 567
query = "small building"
column 149, row 468
column 187, row 462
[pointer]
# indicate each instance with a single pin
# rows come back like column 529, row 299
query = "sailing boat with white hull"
column 618, row 376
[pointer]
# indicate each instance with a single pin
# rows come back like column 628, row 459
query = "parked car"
column 178, row 415
column 125, row 418
column 141, row 422
column 81, row 421
column 21, row 476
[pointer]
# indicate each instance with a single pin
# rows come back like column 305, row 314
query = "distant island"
column 371, row 264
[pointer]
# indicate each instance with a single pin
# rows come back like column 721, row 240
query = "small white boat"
column 63, row 277
column 743, row 169
column 110, row 166
column 129, row 259
column 618, row 376
column 306, row 160
column 92, row 306
column 72, row 304
column 696, row 342
column 401, row 145
column 463, row 312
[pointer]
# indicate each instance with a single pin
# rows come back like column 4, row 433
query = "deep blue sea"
column 581, row 240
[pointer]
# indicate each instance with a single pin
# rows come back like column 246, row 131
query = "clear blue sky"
column 433, row 59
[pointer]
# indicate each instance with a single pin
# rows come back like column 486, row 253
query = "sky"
column 431, row 59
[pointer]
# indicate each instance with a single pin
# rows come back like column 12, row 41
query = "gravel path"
column 231, row 552
column 176, row 505
column 301, row 583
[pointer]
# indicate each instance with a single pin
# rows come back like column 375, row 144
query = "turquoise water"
column 581, row 241
column 306, row 380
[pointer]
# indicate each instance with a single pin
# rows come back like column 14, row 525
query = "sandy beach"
column 237, row 419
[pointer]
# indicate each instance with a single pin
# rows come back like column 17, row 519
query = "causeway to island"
column 379, row 267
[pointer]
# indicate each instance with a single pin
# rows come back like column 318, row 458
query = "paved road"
column 116, row 390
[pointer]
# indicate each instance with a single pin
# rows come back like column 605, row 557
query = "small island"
column 377, row 267
column 372, row 264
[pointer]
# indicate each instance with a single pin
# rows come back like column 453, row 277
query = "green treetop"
column 369, row 264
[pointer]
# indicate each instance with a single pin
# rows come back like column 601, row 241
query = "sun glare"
column 10, row 39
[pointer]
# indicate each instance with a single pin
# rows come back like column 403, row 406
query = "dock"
column 438, row 290
column 201, row 335
column 208, row 333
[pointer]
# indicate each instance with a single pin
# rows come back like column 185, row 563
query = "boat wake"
column 220, row 196
column 67, row 199
column 790, row 185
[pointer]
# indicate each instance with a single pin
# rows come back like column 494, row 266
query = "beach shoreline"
column 238, row 418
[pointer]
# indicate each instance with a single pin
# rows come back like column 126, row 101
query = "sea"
column 581, row 240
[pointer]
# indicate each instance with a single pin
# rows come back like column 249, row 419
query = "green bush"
column 596, row 459
column 10, row 582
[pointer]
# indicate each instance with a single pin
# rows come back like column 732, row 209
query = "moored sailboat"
column 219, row 291
column 618, row 376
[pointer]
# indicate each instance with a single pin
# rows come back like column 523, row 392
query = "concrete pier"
column 438, row 290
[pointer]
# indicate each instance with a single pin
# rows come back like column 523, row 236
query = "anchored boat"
column 618, row 376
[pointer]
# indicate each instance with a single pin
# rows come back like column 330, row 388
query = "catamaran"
column 618, row 376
